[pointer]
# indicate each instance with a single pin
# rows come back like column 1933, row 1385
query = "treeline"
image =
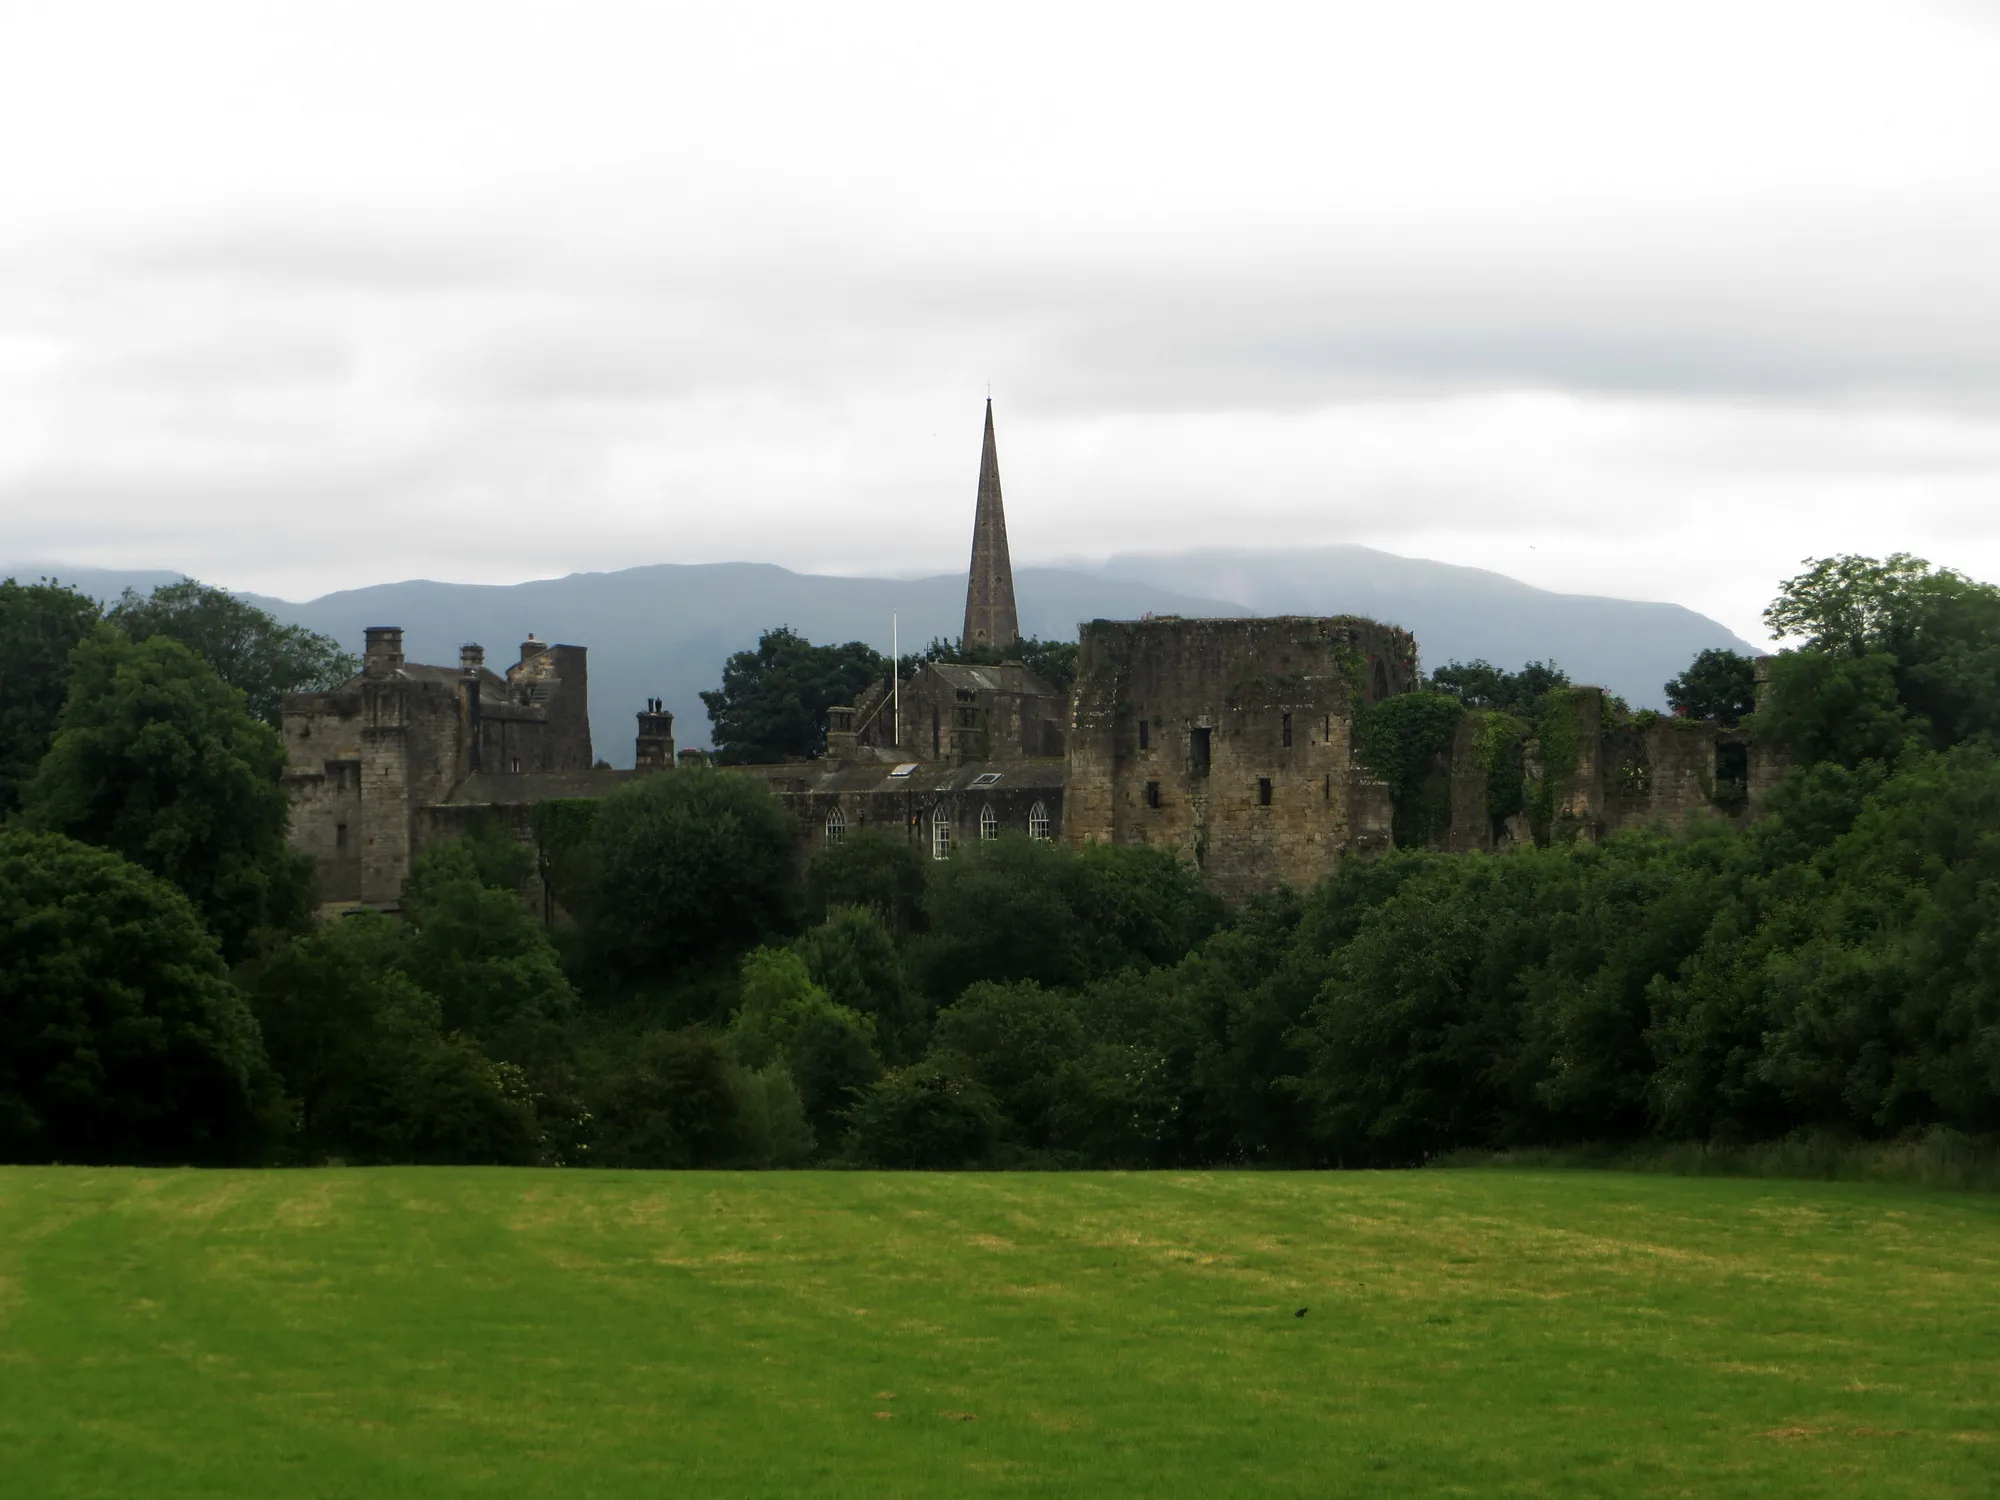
column 1827, row 967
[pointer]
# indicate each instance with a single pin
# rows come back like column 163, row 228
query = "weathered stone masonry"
column 1228, row 742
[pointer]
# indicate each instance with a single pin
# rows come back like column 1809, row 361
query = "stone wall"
column 366, row 757
column 1228, row 742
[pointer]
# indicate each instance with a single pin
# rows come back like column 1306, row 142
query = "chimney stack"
column 471, row 657
column 655, row 749
column 383, row 655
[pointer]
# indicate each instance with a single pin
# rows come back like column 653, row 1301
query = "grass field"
column 478, row 1332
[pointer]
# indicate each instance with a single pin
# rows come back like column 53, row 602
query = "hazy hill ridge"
column 664, row 630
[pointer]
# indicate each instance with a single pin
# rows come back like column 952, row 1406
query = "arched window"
column 941, row 832
column 1038, row 822
column 989, row 822
column 836, row 826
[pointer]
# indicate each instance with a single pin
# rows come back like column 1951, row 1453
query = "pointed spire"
column 989, row 591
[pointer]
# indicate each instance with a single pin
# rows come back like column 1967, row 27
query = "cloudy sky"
column 1652, row 300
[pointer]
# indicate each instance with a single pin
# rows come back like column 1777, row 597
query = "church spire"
column 989, row 591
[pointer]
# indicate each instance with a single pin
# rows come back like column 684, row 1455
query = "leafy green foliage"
column 852, row 956
column 877, row 868
column 40, row 623
column 1481, row 685
column 925, row 1118
column 372, row 1072
column 1019, row 908
column 1558, row 746
column 1718, row 684
column 827, row 1047
column 155, row 757
column 121, row 1036
column 254, row 653
column 674, row 1105
column 1826, row 707
column 685, row 866
column 1406, row 741
column 773, row 701
column 1938, row 630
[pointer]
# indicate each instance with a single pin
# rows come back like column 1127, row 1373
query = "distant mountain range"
column 664, row 631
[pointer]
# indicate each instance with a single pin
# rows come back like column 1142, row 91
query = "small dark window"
column 1381, row 683
column 1145, row 735
column 340, row 835
column 1198, row 751
column 1152, row 794
column 1263, row 791
column 937, row 740
column 1326, row 789
column 1288, row 731
column 517, row 765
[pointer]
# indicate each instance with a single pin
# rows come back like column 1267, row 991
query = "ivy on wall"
column 1406, row 740
column 1558, row 741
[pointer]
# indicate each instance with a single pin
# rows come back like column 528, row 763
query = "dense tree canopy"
column 685, row 866
column 40, row 623
column 250, row 650
column 156, row 758
column 1718, row 684
column 121, row 1036
column 1481, row 685
column 773, row 701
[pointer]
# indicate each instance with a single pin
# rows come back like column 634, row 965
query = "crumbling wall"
column 1228, row 742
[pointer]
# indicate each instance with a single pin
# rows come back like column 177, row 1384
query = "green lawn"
column 574, row 1334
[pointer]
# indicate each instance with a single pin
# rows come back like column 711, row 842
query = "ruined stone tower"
column 989, row 591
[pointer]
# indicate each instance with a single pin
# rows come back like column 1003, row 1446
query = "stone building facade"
column 952, row 714
column 1228, row 742
column 367, row 758
column 1631, row 771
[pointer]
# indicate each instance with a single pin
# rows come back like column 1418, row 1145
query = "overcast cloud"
column 1648, row 300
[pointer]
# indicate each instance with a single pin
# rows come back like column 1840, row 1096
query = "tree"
column 773, row 701
column 40, row 623
column 365, row 1059
column 1016, row 908
column 249, row 649
column 1481, row 685
column 156, row 758
column 1938, row 630
column 684, row 866
column 785, row 1018
column 852, row 956
column 925, row 1118
column 1718, row 684
column 470, row 942
column 121, row 1036
column 881, row 869
column 674, row 1105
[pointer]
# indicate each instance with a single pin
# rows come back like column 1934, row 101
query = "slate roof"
column 511, row 789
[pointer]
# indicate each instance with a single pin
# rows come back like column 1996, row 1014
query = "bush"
column 121, row 1036
column 675, row 1105
column 924, row 1118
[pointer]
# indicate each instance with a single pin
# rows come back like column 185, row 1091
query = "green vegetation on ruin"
column 465, row 1332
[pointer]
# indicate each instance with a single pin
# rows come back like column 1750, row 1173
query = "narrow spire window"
column 1038, row 822
column 989, row 823
column 836, row 826
column 941, row 832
